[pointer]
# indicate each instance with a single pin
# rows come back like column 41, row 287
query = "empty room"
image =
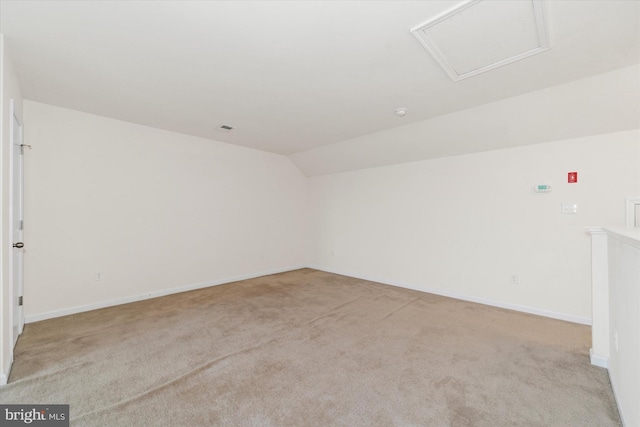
column 320, row 213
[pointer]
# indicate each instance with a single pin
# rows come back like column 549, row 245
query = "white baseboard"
column 149, row 295
column 598, row 360
column 485, row 301
column 155, row 294
column 621, row 409
column 4, row 376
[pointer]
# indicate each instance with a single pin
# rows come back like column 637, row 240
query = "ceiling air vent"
column 226, row 128
column 477, row 36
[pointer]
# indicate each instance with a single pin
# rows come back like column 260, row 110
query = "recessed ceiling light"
column 400, row 112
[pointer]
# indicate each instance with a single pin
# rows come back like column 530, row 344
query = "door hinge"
column 20, row 300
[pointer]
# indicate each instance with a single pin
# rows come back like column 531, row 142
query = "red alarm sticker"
column 572, row 177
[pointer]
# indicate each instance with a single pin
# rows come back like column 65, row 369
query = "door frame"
column 633, row 204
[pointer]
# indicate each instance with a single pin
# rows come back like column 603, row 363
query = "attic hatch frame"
column 431, row 46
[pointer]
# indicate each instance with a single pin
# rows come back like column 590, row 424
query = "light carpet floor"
column 309, row 348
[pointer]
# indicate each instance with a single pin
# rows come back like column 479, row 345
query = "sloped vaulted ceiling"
column 291, row 77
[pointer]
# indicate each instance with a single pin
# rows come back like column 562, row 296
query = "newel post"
column 599, row 297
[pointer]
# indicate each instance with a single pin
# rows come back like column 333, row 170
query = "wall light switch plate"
column 569, row 208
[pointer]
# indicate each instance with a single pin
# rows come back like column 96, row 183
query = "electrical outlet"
column 513, row 279
column 98, row 275
column 615, row 339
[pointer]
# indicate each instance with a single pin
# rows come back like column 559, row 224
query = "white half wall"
column 149, row 211
column 624, row 320
column 463, row 225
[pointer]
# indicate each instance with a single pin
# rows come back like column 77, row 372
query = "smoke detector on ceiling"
column 400, row 112
column 477, row 36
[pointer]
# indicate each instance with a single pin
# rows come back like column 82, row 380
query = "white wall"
column 600, row 104
column 154, row 211
column 9, row 89
column 462, row 225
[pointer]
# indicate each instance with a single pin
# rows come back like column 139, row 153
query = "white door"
column 17, row 223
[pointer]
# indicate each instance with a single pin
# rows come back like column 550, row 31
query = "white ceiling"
column 290, row 76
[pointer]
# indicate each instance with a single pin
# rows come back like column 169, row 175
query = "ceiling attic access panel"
column 479, row 35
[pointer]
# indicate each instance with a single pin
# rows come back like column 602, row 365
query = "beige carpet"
column 308, row 348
